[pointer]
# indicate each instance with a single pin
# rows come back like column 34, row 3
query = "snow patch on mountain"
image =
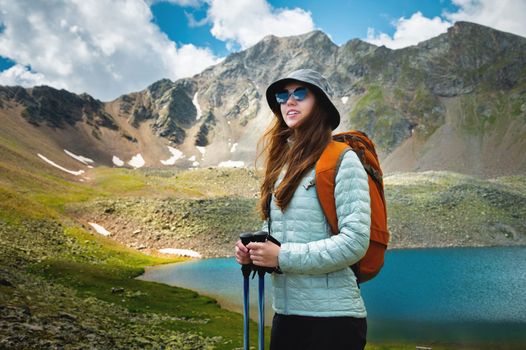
column 232, row 164
column 82, row 159
column 76, row 173
column 176, row 154
column 117, row 161
column 137, row 161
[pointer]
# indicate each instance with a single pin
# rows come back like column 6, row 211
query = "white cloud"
column 105, row 48
column 184, row 3
column 409, row 31
column 505, row 15
column 20, row 75
column 245, row 22
column 192, row 22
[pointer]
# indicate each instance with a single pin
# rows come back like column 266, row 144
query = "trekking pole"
column 261, row 236
column 246, row 269
column 261, row 328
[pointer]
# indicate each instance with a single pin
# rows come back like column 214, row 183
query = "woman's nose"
column 291, row 98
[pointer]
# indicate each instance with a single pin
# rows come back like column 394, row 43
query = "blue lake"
column 472, row 295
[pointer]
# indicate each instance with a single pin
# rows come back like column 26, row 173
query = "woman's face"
column 295, row 112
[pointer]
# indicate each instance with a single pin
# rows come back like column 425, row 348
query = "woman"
column 315, row 296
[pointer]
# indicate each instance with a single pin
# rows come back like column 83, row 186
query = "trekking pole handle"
column 260, row 236
column 246, row 238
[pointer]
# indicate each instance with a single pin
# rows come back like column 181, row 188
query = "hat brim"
column 279, row 84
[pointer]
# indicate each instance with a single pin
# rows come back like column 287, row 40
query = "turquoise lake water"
column 474, row 295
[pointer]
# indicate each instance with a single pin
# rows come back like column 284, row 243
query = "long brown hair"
column 310, row 139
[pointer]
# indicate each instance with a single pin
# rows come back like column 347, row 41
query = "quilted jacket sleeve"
column 354, row 220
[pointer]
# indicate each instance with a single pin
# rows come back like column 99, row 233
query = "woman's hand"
column 242, row 254
column 264, row 253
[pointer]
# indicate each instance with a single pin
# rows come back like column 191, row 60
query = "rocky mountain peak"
column 470, row 77
column 358, row 45
column 470, row 29
column 56, row 108
column 466, row 37
column 315, row 36
column 157, row 89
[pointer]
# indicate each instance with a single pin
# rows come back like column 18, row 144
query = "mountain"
column 455, row 102
column 69, row 250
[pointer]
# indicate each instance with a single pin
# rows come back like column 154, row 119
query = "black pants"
column 291, row 332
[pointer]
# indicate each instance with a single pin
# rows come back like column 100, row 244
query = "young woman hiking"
column 315, row 295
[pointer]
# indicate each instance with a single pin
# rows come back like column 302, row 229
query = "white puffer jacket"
column 317, row 279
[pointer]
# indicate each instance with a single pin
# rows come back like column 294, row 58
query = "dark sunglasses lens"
column 282, row 96
column 300, row 94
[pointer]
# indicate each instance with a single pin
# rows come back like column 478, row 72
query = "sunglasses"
column 299, row 95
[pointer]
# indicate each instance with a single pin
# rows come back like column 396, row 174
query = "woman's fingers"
column 242, row 255
column 241, row 246
column 259, row 253
column 255, row 246
column 241, row 249
column 264, row 254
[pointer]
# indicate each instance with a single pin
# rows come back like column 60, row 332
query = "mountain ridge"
column 470, row 80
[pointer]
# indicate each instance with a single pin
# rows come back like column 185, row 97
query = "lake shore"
column 221, row 252
column 409, row 331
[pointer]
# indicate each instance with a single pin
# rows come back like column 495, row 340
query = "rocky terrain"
column 213, row 207
column 456, row 102
column 442, row 209
column 43, row 306
column 429, row 209
column 56, row 318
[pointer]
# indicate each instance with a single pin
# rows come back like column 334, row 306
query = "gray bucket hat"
column 318, row 84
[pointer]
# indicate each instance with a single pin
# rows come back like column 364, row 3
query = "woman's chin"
column 292, row 124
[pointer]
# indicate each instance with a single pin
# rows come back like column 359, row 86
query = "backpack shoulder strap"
column 326, row 170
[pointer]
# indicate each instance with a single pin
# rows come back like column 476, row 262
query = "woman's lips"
column 291, row 115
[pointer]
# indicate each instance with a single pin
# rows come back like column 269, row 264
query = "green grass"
column 148, row 297
column 48, row 190
column 118, row 181
column 91, row 265
column 38, row 240
column 59, row 265
column 199, row 183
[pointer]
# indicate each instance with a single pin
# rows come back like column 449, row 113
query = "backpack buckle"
column 310, row 184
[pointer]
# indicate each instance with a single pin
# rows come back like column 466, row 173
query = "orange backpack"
column 326, row 169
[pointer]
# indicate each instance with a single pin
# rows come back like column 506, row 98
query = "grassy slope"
column 60, row 284
column 87, row 267
column 447, row 209
column 51, row 266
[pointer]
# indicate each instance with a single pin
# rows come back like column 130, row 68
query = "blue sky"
column 108, row 47
column 342, row 20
